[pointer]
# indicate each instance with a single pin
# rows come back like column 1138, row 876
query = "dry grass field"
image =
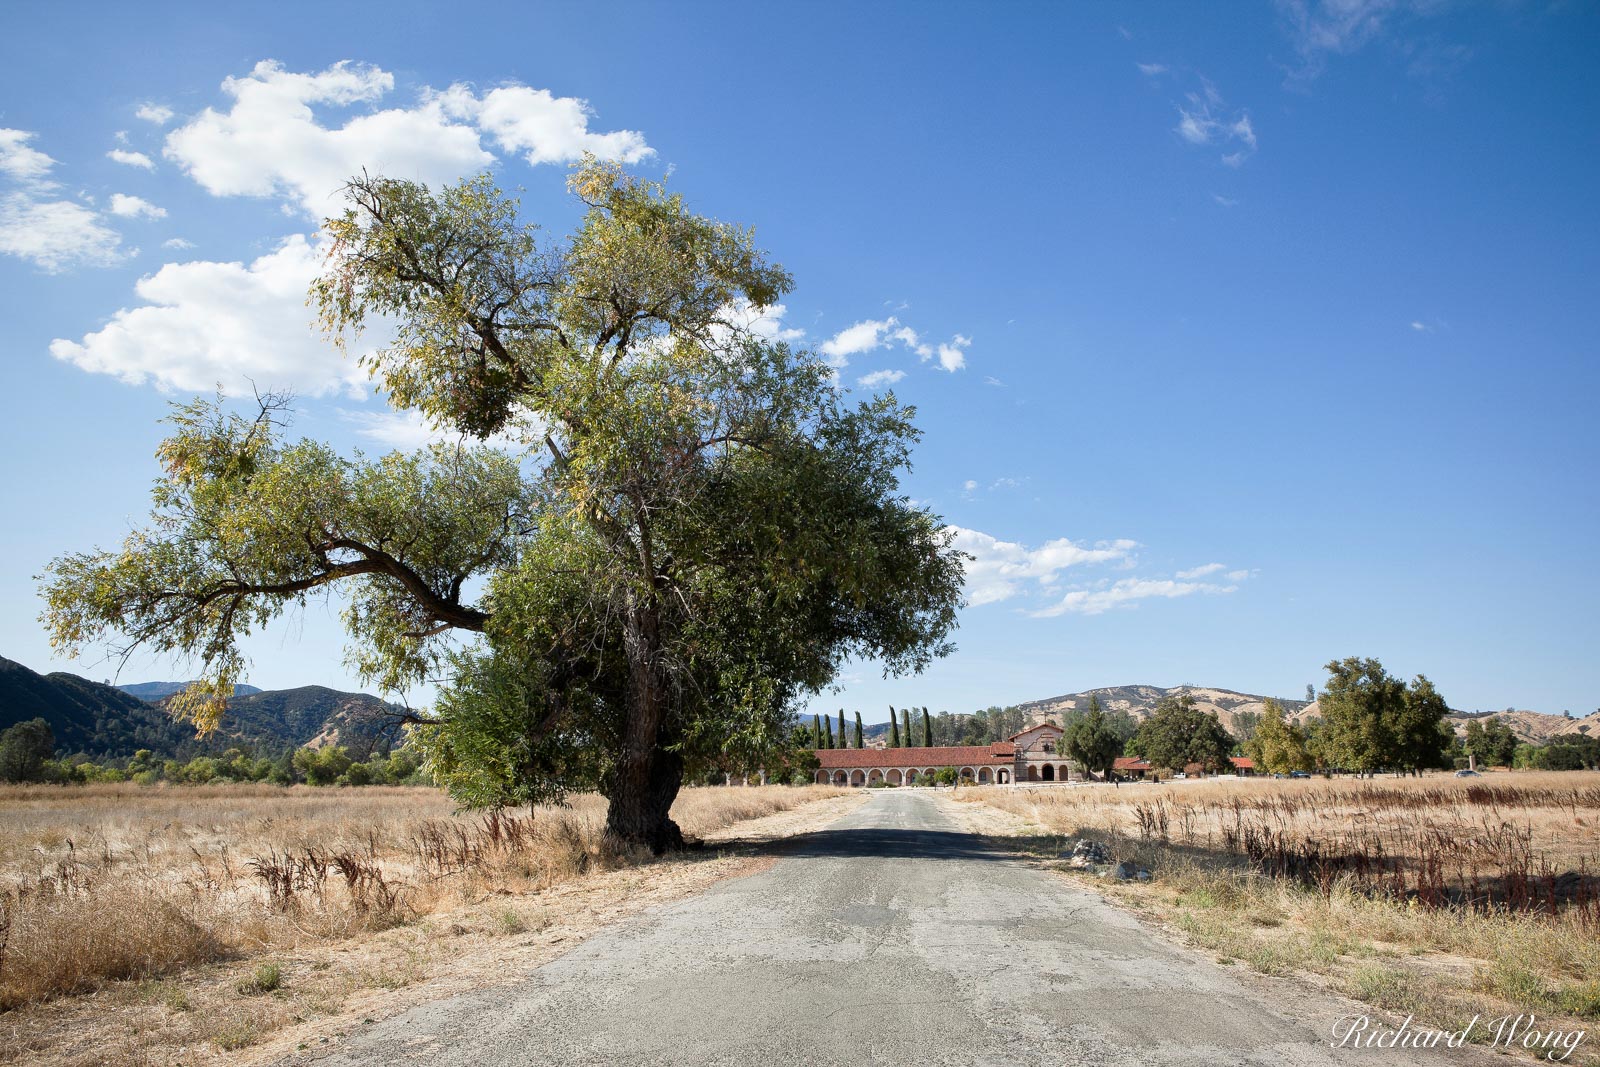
column 1438, row 896
column 130, row 892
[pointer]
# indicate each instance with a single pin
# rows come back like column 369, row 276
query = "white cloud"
column 411, row 430
column 854, row 340
column 880, row 377
column 130, row 159
column 1239, row 576
column 155, row 113
column 1204, row 120
column 1422, row 327
column 1152, row 69
column 1224, row 201
column 996, row 382
column 545, row 128
column 1001, row 569
column 1202, row 570
column 55, row 235
column 271, row 143
column 908, row 337
column 765, row 323
column 51, row 234
column 19, row 161
column 870, row 334
column 205, row 323
column 950, row 355
column 177, row 242
column 132, row 207
column 1124, row 591
column 1320, row 28
column 969, row 486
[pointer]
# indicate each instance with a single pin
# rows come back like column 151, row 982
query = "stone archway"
column 857, row 778
column 983, row 776
column 840, row 778
column 965, row 772
column 931, row 774
column 1064, row 773
column 874, row 775
column 1002, row 776
column 1033, row 773
column 1049, row 772
column 823, row 777
column 893, row 777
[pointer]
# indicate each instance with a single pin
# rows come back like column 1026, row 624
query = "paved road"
column 888, row 937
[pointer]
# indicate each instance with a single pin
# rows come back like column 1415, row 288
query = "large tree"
column 1278, row 746
column 1178, row 733
column 697, row 532
column 1092, row 741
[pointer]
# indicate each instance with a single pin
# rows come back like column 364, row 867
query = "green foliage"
column 1277, row 746
column 1360, row 708
column 1092, row 742
column 927, row 729
column 894, row 728
column 698, row 531
column 1178, row 734
column 24, row 750
column 946, row 776
column 860, row 741
column 322, row 766
column 1491, row 741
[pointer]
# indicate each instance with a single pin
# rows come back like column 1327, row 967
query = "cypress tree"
column 816, row 731
column 844, row 742
column 860, row 742
column 894, row 729
column 827, row 724
column 927, row 730
column 905, row 725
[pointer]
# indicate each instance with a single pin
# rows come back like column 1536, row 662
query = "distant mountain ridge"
column 1140, row 702
column 154, row 691
column 108, row 722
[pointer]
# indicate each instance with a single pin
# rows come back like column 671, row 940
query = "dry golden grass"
column 1423, row 924
column 120, row 882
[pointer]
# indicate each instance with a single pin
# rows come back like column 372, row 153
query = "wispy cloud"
column 870, row 334
column 131, row 159
column 1104, row 597
column 880, row 377
column 36, row 224
column 1151, row 70
column 1000, row 570
column 1204, row 119
column 133, row 207
column 154, row 113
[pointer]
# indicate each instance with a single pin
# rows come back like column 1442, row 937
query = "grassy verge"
column 180, row 925
column 1442, row 958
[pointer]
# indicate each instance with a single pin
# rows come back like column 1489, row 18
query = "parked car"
column 1299, row 774
column 1468, row 774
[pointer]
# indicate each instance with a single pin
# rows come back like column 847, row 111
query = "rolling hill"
column 107, row 722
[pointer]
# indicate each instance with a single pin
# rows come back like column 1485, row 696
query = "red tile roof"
column 948, row 756
column 1035, row 726
column 1131, row 763
column 1244, row 763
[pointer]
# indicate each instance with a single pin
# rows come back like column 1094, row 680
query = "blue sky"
column 1243, row 338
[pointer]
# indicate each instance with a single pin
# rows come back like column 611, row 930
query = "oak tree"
column 692, row 530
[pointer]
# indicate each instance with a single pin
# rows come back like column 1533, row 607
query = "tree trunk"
column 645, row 781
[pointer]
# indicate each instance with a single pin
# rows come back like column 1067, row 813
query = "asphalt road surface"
column 888, row 937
